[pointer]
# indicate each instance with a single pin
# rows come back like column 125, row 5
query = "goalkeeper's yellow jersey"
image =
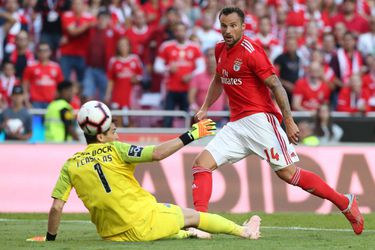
column 103, row 177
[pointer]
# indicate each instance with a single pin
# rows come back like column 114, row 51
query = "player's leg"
column 202, row 169
column 217, row 224
column 224, row 147
column 308, row 180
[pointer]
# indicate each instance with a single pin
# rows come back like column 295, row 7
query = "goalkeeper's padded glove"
column 198, row 130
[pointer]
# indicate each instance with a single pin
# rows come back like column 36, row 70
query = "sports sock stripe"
column 296, row 177
column 199, row 169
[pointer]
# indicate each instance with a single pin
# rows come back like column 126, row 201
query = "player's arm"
column 135, row 154
column 54, row 218
column 281, row 97
column 214, row 91
column 60, row 195
column 200, row 129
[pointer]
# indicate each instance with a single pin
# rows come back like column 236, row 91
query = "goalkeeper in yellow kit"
column 103, row 177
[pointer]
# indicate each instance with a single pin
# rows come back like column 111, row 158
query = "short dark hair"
column 232, row 9
column 64, row 85
column 91, row 139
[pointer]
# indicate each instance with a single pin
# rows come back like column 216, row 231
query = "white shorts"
column 259, row 134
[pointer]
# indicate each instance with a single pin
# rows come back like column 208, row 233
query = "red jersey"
column 43, row 80
column 120, row 71
column 140, row 42
column 75, row 45
column 312, row 98
column 184, row 56
column 242, row 70
column 357, row 24
column 348, row 101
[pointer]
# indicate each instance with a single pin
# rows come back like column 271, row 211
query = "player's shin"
column 202, row 188
column 216, row 224
column 313, row 184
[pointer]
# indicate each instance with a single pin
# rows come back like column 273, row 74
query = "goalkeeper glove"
column 198, row 130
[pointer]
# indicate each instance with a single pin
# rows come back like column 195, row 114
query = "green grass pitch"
column 279, row 231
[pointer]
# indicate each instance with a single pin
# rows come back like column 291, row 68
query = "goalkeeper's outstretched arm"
column 200, row 129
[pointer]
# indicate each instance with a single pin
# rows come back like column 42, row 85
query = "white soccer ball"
column 14, row 126
column 94, row 117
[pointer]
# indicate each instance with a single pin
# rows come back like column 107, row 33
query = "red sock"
column 202, row 188
column 313, row 184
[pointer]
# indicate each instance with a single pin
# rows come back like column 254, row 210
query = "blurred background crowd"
column 159, row 55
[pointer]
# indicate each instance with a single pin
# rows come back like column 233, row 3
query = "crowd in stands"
column 119, row 51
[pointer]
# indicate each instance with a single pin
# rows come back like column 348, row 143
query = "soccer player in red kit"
column 247, row 76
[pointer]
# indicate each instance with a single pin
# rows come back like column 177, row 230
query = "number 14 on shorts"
column 271, row 152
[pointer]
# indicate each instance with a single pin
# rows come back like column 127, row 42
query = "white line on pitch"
column 263, row 227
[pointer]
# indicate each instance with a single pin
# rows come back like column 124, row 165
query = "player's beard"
column 234, row 42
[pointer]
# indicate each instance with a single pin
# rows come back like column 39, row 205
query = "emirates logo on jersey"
column 228, row 80
column 237, row 64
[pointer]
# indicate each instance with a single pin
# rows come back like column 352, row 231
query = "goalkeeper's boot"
column 353, row 214
column 196, row 233
column 252, row 228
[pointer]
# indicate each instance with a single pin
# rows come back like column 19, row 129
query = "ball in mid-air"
column 94, row 117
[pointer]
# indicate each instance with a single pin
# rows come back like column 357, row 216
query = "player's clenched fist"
column 198, row 130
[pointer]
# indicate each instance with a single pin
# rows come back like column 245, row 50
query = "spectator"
column 154, row 12
column 41, row 78
column 353, row 98
column 8, row 80
column 22, row 55
column 348, row 60
column 265, row 39
column 329, row 8
column 16, row 120
column 124, row 72
column 74, row 43
column 12, row 8
column 328, row 47
column 7, row 22
column 142, row 41
column 369, row 81
column 325, row 129
column 366, row 43
column 206, row 34
column 353, row 22
column 101, row 47
column 311, row 92
column 328, row 74
column 200, row 83
column 51, row 12
column 33, row 21
column 179, row 60
column 121, row 12
column 311, row 14
column 288, row 65
column 310, row 41
column 339, row 31
column 306, row 134
column 59, row 119
column 165, row 30
column 94, row 7
column 279, row 28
